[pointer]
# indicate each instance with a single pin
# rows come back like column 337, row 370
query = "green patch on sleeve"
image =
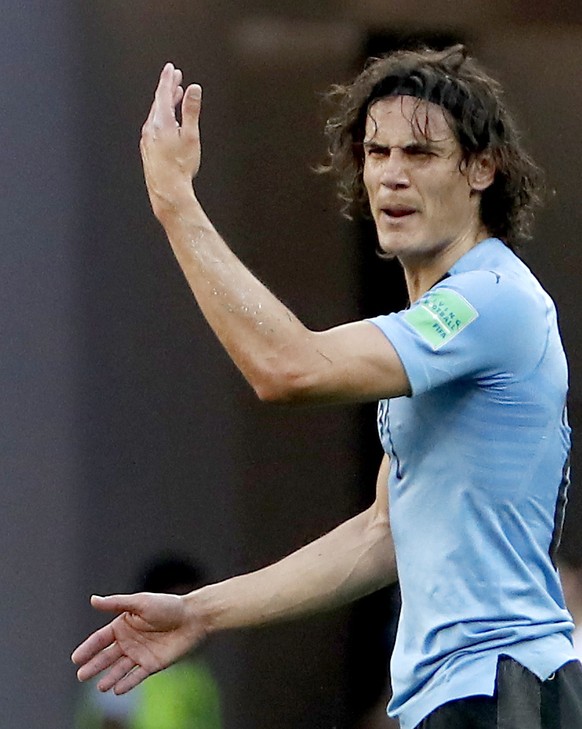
column 440, row 315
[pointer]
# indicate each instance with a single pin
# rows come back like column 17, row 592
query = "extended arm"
column 277, row 354
column 353, row 560
column 153, row 630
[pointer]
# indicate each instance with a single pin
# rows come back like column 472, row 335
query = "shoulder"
column 504, row 297
column 513, row 314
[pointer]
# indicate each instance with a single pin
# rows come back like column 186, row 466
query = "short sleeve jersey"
column 477, row 481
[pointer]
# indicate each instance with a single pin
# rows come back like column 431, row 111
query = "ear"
column 481, row 171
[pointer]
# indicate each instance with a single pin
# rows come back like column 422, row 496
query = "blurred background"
column 125, row 429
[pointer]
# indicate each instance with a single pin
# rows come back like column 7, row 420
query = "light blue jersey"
column 477, row 482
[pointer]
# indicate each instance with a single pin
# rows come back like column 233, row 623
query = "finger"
column 163, row 109
column 103, row 660
column 150, row 116
column 166, row 71
column 117, row 672
column 101, row 639
column 191, row 105
column 116, row 603
column 131, row 680
column 178, row 95
column 177, row 90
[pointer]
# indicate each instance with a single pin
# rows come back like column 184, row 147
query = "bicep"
column 350, row 363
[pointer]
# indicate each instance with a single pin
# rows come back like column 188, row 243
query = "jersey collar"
column 484, row 254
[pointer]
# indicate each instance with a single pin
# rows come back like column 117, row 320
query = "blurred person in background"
column 186, row 696
column 471, row 380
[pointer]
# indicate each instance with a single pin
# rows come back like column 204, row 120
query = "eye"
column 376, row 150
column 419, row 150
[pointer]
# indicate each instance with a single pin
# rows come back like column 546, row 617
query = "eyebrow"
column 428, row 145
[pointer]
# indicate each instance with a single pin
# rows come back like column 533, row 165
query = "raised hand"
column 152, row 632
column 171, row 151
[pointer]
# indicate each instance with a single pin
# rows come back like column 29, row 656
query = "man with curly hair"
column 471, row 380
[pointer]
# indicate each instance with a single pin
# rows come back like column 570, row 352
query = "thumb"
column 116, row 603
column 191, row 105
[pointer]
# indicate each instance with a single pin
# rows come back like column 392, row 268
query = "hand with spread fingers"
column 152, row 632
column 170, row 150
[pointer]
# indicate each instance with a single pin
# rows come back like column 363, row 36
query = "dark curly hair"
column 473, row 105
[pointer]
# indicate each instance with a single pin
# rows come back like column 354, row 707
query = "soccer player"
column 472, row 382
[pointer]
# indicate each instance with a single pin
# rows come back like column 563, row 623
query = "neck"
column 423, row 272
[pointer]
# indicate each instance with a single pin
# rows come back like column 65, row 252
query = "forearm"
column 260, row 333
column 353, row 560
column 281, row 358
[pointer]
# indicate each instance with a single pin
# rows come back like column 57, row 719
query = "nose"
column 394, row 174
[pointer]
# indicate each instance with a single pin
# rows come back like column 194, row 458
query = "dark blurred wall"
column 539, row 65
column 175, row 449
column 300, row 467
column 156, row 412
column 39, row 378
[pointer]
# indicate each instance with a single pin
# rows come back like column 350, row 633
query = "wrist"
column 204, row 608
column 171, row 205
column 185, row 219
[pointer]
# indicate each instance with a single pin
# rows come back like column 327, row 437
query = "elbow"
column 278, row 392
column 280, row 386
column 269, row 393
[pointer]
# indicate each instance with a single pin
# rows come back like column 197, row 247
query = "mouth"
column 397, row 212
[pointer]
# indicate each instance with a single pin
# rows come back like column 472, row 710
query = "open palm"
column 152, row 631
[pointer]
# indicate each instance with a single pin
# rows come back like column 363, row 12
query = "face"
column 422, row 199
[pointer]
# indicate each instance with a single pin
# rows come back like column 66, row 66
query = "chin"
column 393, row 247
column 390, row 254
